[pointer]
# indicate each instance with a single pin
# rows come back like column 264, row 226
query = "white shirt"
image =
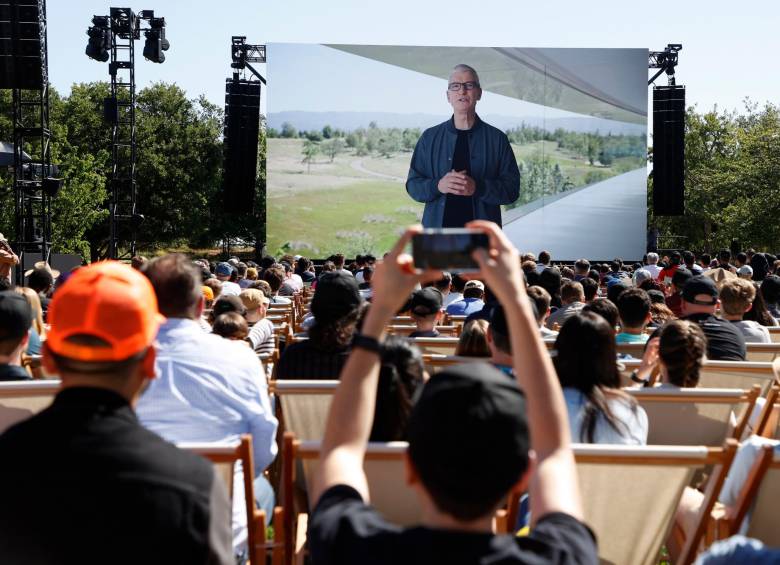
column 753, row 331
column 210, row 389
column 653, row 269
column 634, row 419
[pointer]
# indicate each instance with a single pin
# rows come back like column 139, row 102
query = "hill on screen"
column 352, row 120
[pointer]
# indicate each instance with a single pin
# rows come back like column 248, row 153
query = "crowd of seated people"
column 211, row 385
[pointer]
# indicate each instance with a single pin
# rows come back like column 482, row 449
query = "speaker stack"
column 21, row 44
column 669, row 150
column 242, row 124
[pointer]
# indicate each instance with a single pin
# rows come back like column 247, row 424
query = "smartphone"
column 447, row 249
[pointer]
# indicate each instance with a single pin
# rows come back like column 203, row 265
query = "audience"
column 224, row 272
column 16, row 318
column 770, row 289
column 473, row 341
column 499, row 342
column 736, row 299
column 231, row 325
column 469, row 436
column 261, row 330
column 541, row 300
column 634, row 309
column 652, row 265
column 401, row 375
column 113, row 490
column 586, row 362
column 605, row 308
column 425, row 308
column 208, row 388
column 572, row 301
column 275, row 276
column 678, row 353
column 335, row 308
column 472, row 301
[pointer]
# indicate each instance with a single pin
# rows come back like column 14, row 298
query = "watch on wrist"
column 636, row 379
column 366, row 342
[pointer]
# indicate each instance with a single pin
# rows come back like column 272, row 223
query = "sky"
column 729, row 50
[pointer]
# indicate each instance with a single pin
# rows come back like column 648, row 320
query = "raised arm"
column 554, row 486
column 352, row 410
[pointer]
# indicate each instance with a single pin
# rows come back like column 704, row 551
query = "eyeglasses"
column 456, row 86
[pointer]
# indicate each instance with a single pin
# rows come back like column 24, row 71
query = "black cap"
column 700, row 285
column 16, row 315
column 468, row 433
column 336, row 296
column 426, row 301
column 680, row 277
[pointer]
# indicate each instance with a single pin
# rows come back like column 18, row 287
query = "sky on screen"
column 729, row 49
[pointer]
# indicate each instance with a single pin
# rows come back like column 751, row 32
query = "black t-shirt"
column 427, row 333
column 724, row 341
column 302, row 360
column 344, row 530
column 458, row 210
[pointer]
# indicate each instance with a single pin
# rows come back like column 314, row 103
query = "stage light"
column 99, row 39
column 155, row 41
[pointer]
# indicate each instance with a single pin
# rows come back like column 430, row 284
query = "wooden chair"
column 225, row 456
column 763, row 352
column 695, row 416
column 303, row 405
column 630, row 495
column 757, row 501
column 435, row 362
column 441, row 345
column 406, row 329
column 722, row 374
column 774, row 334
column 21, row 399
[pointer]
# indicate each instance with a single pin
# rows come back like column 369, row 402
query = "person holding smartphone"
column 463, row 169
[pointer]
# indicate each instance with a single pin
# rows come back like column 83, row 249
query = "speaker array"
column 242, row 124
column 20, row 44
column 668, row 150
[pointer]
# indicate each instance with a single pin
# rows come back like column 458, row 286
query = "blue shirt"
column 210, row 389
column 465, row 307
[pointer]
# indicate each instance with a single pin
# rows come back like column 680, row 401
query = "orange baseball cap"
column 107, row 300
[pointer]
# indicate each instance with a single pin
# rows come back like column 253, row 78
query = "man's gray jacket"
column 493, row 168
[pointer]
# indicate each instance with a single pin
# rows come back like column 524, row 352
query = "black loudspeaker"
column 110, row 110
column 242, row 125
column 669, row 150
column 20, row 44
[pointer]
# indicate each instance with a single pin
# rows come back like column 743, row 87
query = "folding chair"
column 441, row 345
column 630, row 495
column 435, row 362
column 303, row 405
column 695, row 416
column 757, row 501
column 766, row 352
column 21, row 399
column 224, row 456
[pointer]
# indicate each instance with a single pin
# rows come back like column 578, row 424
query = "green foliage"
column 333, row 147
column 310, row 150
column 288, row 130
column 732, row 180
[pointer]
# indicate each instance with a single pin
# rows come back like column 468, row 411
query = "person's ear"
column 148, row 362
column 649, row 317
column 489, row 335
column 410, row 471
column 47, row 360
column 749, row 307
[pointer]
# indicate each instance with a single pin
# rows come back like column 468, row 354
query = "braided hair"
column 682, row 348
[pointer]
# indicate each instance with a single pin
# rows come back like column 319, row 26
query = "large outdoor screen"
column 344, row 120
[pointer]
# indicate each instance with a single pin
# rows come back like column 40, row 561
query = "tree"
column 327, row 132
column 333, row 147
column 288, row 130
column 310, row 150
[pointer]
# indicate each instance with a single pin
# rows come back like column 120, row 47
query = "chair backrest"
column 225, row 457
column 21, row 399
column 630, row 494
column 774, row 334
column 406, row 329
column 695, row 416
column 441, row 345
column 384, row 468
column 764, row 524
column 305, row 405
column 763, row 352
column 435, row 362
column 723, row 374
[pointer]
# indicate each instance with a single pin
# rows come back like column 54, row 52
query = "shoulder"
column 493, row 131
column 563, row 539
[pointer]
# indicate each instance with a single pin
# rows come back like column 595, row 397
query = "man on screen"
column 463, row 169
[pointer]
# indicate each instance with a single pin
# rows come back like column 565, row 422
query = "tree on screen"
column 310, row 150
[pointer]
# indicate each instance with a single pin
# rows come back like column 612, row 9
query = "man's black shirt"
column 724, row 341
column 344, row 530
column 458, row 210
column 84, row 482
column 13, row 373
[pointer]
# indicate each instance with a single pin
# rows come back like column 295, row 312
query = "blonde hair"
column 736, row 295
column 35, row 303
column 473, row 340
